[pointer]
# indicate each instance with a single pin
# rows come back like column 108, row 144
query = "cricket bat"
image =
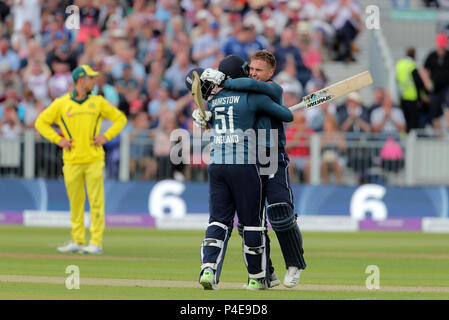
column 335, row 91
column 197, row 97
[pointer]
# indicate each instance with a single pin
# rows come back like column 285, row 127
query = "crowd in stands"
column 144, row 48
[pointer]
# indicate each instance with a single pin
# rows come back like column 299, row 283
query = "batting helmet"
column 206, row 86
column 233, row 66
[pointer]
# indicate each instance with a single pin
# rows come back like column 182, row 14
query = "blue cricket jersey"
column 263, row 121
column 234, row 123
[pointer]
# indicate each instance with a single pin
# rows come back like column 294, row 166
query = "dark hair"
column 266, row 56
column 410, row 52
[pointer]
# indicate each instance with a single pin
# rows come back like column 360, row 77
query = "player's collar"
column 73, row 97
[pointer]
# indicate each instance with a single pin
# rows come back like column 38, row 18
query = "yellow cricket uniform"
column 84, row 162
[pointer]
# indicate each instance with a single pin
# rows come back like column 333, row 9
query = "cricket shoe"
column 257, row 284
column 274, row 280
column 291, row 278
column 207, row 280
column 72, row 246
column 93, row 249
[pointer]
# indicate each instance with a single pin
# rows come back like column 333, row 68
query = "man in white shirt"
column 388, row 118
column 345, row 17
column 206, row 47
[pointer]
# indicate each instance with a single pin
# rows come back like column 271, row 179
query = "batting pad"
column 254, row 246
column 213, row 247
column 283, row 222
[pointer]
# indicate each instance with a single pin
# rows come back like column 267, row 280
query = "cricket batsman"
column 280, row 209
column 234, row 181
column 79, row 115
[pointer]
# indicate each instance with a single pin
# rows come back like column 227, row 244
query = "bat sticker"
column 317, row 98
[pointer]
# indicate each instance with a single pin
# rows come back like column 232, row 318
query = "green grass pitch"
column 140, row 263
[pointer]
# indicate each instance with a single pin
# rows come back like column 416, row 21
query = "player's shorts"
column 277, row 188
column 235, row 188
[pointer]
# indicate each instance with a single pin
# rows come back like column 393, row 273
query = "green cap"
column 82, row 71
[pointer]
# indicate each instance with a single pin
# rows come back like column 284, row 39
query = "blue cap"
column 214, row 25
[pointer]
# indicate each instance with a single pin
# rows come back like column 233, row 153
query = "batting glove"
column 212, row 75
column 199, row 120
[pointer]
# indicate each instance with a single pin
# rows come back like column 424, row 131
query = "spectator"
column 333, row 145
column 142, row 164
column 378, row 98
column 309, row 50
column 35, row 52
column 9, row 79
column 162, row 144
column 36, row 76
column 136, row 107
column 269, row 32
column 412, row 89
column 89, row 20
column 28, row 106
column 318, row 80
column 27, row 11
column 203, row 19
column 59, row 18
column 160, row 55
column 287, row 47
column 20, row 42
column 125, row 57
column 435, row 76
column 181, row 42
column 111, row 11
column 254, row 14
column 153, row 84
column 62, row 53
column 163, row 10
column 12, row 98
column 162, row 102
column 345, row 16
column 353, row 116
column 219, row 15
column 175, row 26
column 8, row 55
column 93, row 51
column 232, row 26
column 288, row 76
column 316, row 116
column 317, row 13
column 175, row 74
column 61, row 82
column 106, row 90
column 127, row 81
column 392, row 156
column 10, row 124
column 280, row 15
column 205, row 48
column 53, row 34
column 388, row 119
column 297, row 146
column 243, row 44
column 184, row 109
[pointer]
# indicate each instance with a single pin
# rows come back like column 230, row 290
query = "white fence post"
column 410, row 147
column 29, row 154
column 124, row 156
column 315, row 149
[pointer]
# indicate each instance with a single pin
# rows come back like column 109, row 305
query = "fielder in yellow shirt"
column 79, row 115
